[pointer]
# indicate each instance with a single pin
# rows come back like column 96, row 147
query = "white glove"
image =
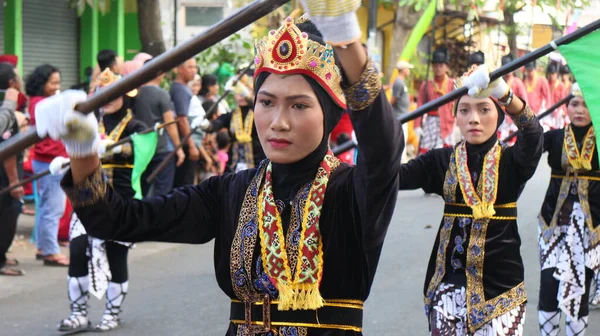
column 56, row 118
column 335, row 19
column 103, row 150
column 56, row 166
column 204, row 124
column 158, row 130
column 418, row 132
column 229, row 84
column 478, row 83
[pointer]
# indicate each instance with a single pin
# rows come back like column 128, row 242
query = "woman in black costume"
column 569, row 227
column 474, row 281
column 302, row 233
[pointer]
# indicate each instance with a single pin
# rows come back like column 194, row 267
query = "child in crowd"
column 223, row 143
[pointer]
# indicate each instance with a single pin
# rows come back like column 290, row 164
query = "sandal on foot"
column 27, row 211
column 57, row 262
column 11, row 271
column 74, row 324
column 108, row 323
column 12, row 262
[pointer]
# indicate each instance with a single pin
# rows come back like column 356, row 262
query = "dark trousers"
column 184, row 174
column 10, row 209
column 163, row 182
column 116, row 254
column 549, row 290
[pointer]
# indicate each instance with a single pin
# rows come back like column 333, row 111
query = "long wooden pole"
column 185, row 139
column 346, row 146
column 168, row 60
column 505, row 69
column 108, row 148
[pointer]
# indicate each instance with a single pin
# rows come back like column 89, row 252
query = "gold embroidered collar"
column 580, row 160
column 482, row 205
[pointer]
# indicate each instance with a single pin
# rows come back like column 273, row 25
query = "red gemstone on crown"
column 328, row 76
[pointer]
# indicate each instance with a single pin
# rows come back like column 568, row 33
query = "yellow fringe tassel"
column 483, row 210
column 299, row 296
column 581, row 163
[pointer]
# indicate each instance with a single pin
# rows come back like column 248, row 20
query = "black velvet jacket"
column 497, row 278
column 589, row 180
column 358, row 206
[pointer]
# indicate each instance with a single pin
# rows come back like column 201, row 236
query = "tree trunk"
column 149, row 27
column 511, row 31
column 406, row 19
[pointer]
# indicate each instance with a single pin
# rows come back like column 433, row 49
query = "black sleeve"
column 426, row 171
column 528, row 149
column 188, row 214
column 380, row 145
column 223, row 121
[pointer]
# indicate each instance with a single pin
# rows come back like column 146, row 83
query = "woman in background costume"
column 300, row 232
column 474, row 281
column 98, row 266
column 569, row 228
column 246, row 151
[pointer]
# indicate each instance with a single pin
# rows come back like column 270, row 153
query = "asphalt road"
column 173, row 290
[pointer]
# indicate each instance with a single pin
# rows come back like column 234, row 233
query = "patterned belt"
column 117, row 165
column 579, row 176
column 260, row 316
column 503, row 211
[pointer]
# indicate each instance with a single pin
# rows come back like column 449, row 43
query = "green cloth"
column 144, row 146
column 582, row 56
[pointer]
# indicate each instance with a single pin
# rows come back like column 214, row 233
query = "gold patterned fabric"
column 361, row 94
column 89, row 191
column 482, row 203
column 241, row 148
column 579, row 161
column 523, row 119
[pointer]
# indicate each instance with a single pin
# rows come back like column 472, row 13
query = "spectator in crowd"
column 142, row 57
column 106, row 59
column 195, row 85
column 210, row 92
column 399, row 99
column 130, row 66
column 153, row 105
column 10, row 171
column 181, row 95
column 206, row 162
column 43, row 82
column 18, row 83
column 223, row 142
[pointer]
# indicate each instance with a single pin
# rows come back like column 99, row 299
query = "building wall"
column 175, row 26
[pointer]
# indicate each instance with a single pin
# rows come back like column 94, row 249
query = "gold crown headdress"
column 107, row 77
column 576, row 90
column 289, row 51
